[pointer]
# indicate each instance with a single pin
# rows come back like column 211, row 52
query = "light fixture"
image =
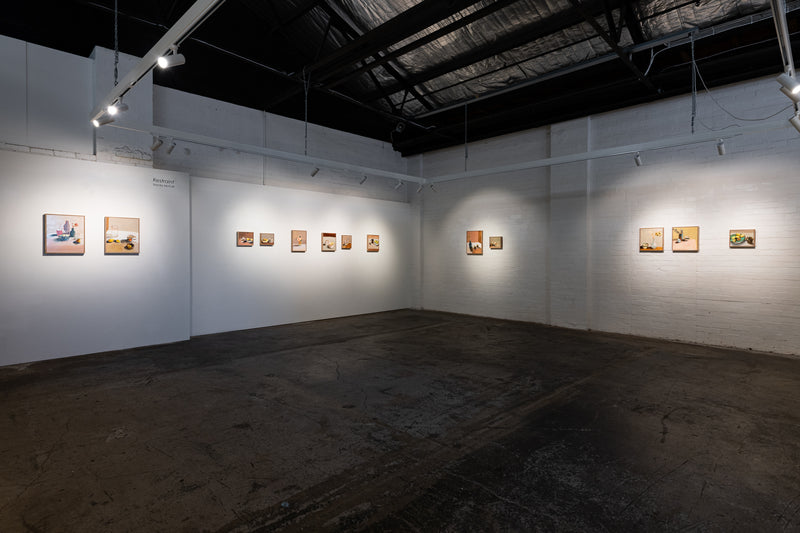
column 433, row 188
column 789, row 83
column 399, row 184
column 363, row 180
column 172, row 60
column 157, row 142
column 721, row 147
column 117, row 107
column 795, row 121
column 637, row 159
column 171, row 147
column 102, row 120
column 421, row 186
column 314, row 172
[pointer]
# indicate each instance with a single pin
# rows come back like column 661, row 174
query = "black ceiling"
column 409, row 74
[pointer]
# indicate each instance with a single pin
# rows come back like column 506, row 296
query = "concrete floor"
column 403, row 421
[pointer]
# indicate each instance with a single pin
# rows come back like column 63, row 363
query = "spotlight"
column 399, row 184
column 721, row 147
column 433, row 188
column 171, row 147
column 789, row 83
column 637, row 159
column 117, row 107
column 157, row 142
column 421, row 186
column 789, row 94
column 102, row 120
column 795, row 121
column 362, row 180
column 400, row 127
column 172, row 60
column 314, row 172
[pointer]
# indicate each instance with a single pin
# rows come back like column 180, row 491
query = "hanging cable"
column 466, row 149
column 694, row 85
column 306, row 83
column 116, row 44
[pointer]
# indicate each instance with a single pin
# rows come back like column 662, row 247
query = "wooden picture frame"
column 742, row 238
column 63, row 234
column 475, row 242
column 244, row 238
column 328, row 242
column 651, row 239
column 685, row 238
column 299, row 240
column 373, row 243
column 266, row 239
column 347, row 242
column 121, row 236
column 496, row 243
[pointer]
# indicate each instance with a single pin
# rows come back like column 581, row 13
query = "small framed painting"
column 475, row 242
column 347, row 242
column 121, row 236
column 651, row 239
column 64, row 235
column 742, row 238
column 266, row 239
column 299, row 242
column 495, row 243
column 686, row 239
column 328, row 242
column 373, row 243
column 244, row 238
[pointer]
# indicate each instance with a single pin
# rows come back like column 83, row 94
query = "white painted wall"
column 57, row 306
column 246, row 287
column 589, row 274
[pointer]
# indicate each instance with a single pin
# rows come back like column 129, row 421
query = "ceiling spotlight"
column 789, row 83
column 637, row 159
column 721, row 147
column 795, row 121
column 157, row 142
column 400, row 127
column 794, row 97
column 117, row 107
column 171, row 147
column 102, row 120
column 362, row 180
column 314, row 172
column 433, row 188
column 172, row 60
column 421, row 186
column 399, row 184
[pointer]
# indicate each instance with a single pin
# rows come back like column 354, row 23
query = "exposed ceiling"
column 427, row 74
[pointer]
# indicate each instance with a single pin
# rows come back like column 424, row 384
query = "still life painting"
column 686, row 239
column 299, row 242
column 742, row 238
column 121, row 235
column 373, row 243
column 64, row 234
column 267, row 239
column 495, row 243
column 475, row 242
column 651, row 239
column 328, row 242
column 244, row 238
column 347, row 242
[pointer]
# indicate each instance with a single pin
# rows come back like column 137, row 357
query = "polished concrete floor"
column 403, row 421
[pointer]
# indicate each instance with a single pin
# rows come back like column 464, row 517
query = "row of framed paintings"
column 299, row 241
column 475, row 242
column 64, row 235
column 687, row 239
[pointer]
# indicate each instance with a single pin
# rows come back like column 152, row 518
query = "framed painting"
column 373, row 243
column 266, row 239
column 328, row 242
column 651, row 239
column 347, row 242
column 64, row 234
column 475, row 242
column 244, row 238
column 742, row 238
column 495, row 243
column 686, row 239
column 121, row 236
column 299, row 241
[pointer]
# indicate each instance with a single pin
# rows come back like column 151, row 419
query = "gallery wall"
column 57, row 306
column 571, row 256
column 238, row 287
